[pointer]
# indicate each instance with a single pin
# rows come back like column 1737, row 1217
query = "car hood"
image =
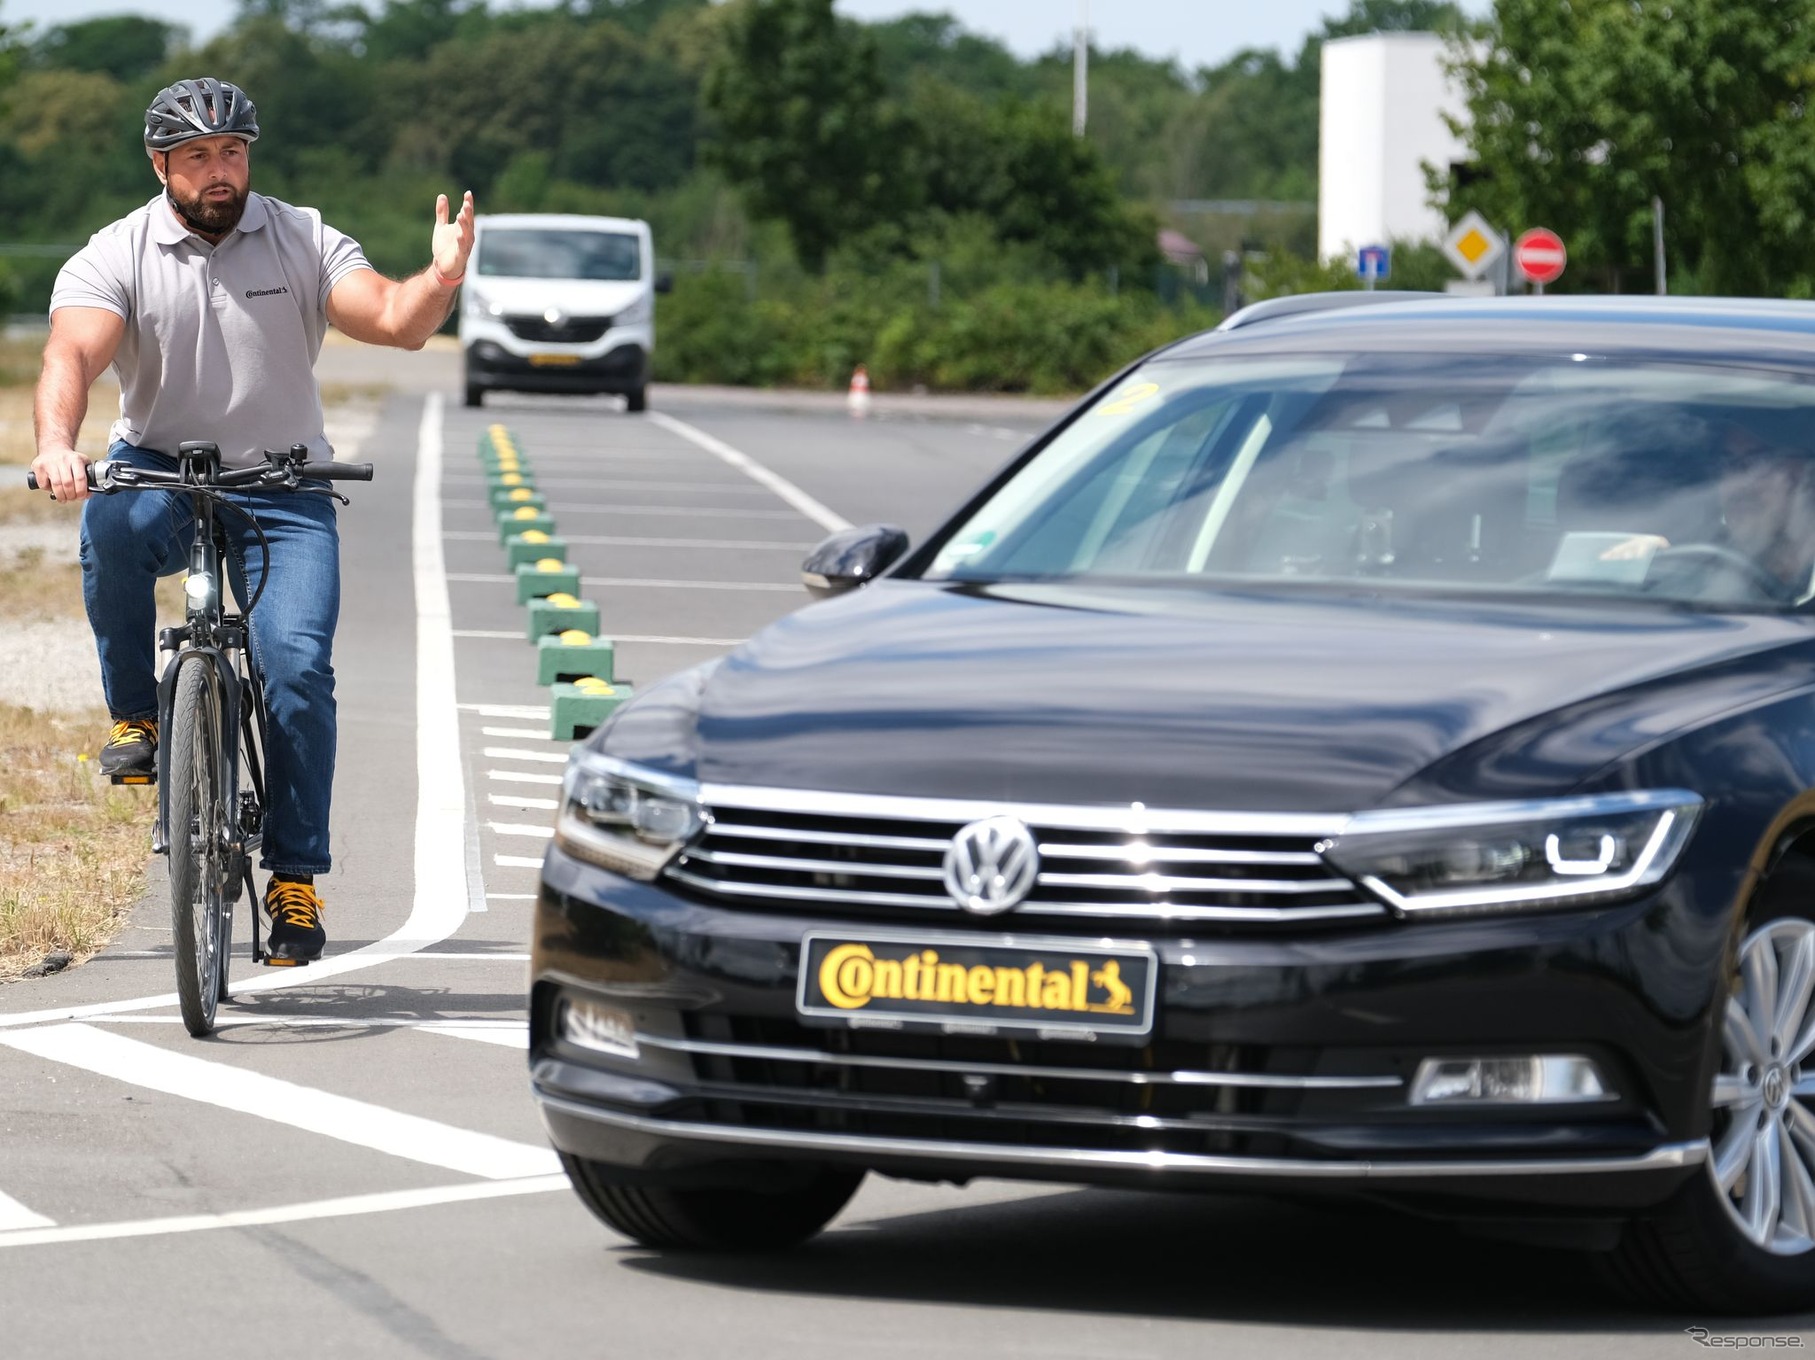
column 1188, row 699
column 572, row 297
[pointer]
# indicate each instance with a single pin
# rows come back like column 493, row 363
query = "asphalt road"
column 353, row 1166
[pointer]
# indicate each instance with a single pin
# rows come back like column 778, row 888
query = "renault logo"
column 554, row 316
column 991, row 865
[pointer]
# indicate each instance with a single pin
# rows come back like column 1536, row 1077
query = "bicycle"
column 211, row 716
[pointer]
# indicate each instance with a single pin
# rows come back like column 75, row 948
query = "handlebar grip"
column 338, row 472
column 95, row 472
column 31, row 480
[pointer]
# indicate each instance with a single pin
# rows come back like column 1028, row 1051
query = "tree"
column 1580, row 114
column 793, row 98
column 124, row 46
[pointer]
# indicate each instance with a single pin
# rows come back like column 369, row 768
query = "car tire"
column 636, row 400
column 475, row 395
column 714, row 1218
column 1736, row 1239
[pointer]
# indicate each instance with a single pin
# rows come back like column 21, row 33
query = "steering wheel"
column 1716, row 561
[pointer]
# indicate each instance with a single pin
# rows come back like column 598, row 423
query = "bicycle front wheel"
column 198, row 808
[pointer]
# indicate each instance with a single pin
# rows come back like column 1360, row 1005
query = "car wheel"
column 475, row 395
column 1741, row 1238
column 715, row 1219
column 637, row 399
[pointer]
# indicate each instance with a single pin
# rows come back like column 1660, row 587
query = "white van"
column 556, row 302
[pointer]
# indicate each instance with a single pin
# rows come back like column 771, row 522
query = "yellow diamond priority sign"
column 1473, row 246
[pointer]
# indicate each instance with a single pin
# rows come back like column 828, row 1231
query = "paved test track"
column 354, row 1167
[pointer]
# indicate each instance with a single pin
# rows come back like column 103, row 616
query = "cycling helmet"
column 204, row 107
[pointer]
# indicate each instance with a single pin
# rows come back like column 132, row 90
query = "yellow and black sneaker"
column 295, row 911
column 131, row 749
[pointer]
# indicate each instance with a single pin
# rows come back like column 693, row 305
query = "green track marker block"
column 559, row 613
column 576, row 709
column 533, row 547
column 559, row 662
column 513, row 522
column 497, row 467
column 534, row 580
column 509, row 481
column 510, row 497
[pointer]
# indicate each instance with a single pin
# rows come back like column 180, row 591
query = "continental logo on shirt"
column 1016, row 985
column 266, row 292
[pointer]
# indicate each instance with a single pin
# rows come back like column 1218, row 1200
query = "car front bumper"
column 1274, row 1061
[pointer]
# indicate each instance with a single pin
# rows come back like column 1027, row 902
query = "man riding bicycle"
column 210, row 303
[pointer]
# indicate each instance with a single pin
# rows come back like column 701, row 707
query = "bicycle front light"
column 625, row 818
column 199, row 588
column 1516, row 856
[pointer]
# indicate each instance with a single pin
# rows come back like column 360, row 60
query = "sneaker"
column 295, row 912
column 132, row 747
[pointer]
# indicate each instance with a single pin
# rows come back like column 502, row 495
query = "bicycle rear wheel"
column 199, row 899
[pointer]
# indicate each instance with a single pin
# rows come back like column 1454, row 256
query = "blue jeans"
column 133, row 537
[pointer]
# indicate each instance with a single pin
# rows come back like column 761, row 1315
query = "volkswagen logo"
column 991, row 865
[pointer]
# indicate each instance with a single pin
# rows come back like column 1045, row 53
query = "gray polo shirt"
column 220, row 340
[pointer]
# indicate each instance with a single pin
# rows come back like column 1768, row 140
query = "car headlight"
column 623, row 817
column 1486, row 857
column 477, row 304
column 635, row 314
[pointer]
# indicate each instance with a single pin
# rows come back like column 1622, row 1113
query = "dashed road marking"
column 540, row 833
column 519, row 777
column 507, row 710
column 14, row 1215
column 754, row 470
column 516, row 862
column 522, row 800
column 529, row 734
column 512, row 753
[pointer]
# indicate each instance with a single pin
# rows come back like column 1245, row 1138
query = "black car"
column 1368, row 751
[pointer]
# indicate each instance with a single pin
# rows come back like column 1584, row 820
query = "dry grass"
column 20, row 360
column 73, row 848
column 31, row 588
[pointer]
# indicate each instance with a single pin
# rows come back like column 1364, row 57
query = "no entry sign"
column 1540, row 256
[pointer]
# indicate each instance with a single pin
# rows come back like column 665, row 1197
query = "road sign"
column 1540, row 256
column 1473, row 246
column 1374, row 263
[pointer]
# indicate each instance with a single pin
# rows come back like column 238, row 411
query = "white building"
column 1384, row 97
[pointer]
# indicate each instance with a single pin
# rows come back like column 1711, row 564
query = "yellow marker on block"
column 561, row 600
column 522, row 493
column 591, row 684
column 525, row 512
column 550, row 563
column 534, row 536
column 512, row 479
column 571, row 637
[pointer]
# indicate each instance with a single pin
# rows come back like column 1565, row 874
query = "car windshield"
column 1490, row 473
column 567, row 253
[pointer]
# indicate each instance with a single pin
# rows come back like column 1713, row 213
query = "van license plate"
column 554, row 360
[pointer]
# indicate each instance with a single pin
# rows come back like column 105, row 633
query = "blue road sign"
column 1374, row 263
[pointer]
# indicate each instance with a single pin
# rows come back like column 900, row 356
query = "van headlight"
column 1487, row 857
column 477, row 304
column 625, row 818
column 635, row 314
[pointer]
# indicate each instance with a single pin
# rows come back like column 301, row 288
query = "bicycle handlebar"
column 106, row 476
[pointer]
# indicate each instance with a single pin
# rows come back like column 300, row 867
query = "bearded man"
column 210, row 303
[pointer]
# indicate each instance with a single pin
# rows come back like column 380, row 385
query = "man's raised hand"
column 452, row 241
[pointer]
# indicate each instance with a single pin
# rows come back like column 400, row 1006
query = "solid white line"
column 619, row 484
column 518, row 777
column 522, row 800
column 485, row 1034
column 345, row 1207
column 284, row 1102
column 491, row 633
column 496, row 635
column 440, row 901
column 531, row 734
column 512, row 897
column 754, row 470
column 479, row 578
column 325, row 1022
column 540, row 833
column 615, row 541
column 14, row 1216
column 512, row 753
column 507, row 710
column 686, row 511
column 516, row 862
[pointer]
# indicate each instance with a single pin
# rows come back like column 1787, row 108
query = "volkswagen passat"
column 1367, row 751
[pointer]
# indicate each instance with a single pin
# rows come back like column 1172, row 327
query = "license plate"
column 554, row 360
column 959, row 984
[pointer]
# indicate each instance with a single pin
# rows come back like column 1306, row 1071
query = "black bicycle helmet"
column 204, row 107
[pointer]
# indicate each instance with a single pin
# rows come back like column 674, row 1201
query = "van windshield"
column 559, row 253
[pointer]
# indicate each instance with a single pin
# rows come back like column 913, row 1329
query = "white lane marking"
column 283, row 1102
column 516, row 862
column 618, row 484
column 663, row 639
column 346, row 1206
column 326, row 1022
column 521, row 800
column 615, row 541
column 484, row 1034
column 754, row 470
column 479, row 578
column 14, row 1215
column 518, row 777
column 682, row 511
column 512, row 897
column 512, row 753
column 531, row 734
column 441, row 898
column 540, row 833
column 507, row 710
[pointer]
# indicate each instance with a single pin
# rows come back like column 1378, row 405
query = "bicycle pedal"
column 138, row 780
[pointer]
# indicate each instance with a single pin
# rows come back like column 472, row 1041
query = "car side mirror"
column 664, row 282
column 851, row 558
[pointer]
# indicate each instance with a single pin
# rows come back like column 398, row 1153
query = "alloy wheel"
column 1763, row 1165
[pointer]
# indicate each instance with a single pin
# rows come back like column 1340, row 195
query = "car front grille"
column 884, row 858
column 575, row 330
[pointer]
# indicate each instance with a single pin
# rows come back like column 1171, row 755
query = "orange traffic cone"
column 859, row 399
